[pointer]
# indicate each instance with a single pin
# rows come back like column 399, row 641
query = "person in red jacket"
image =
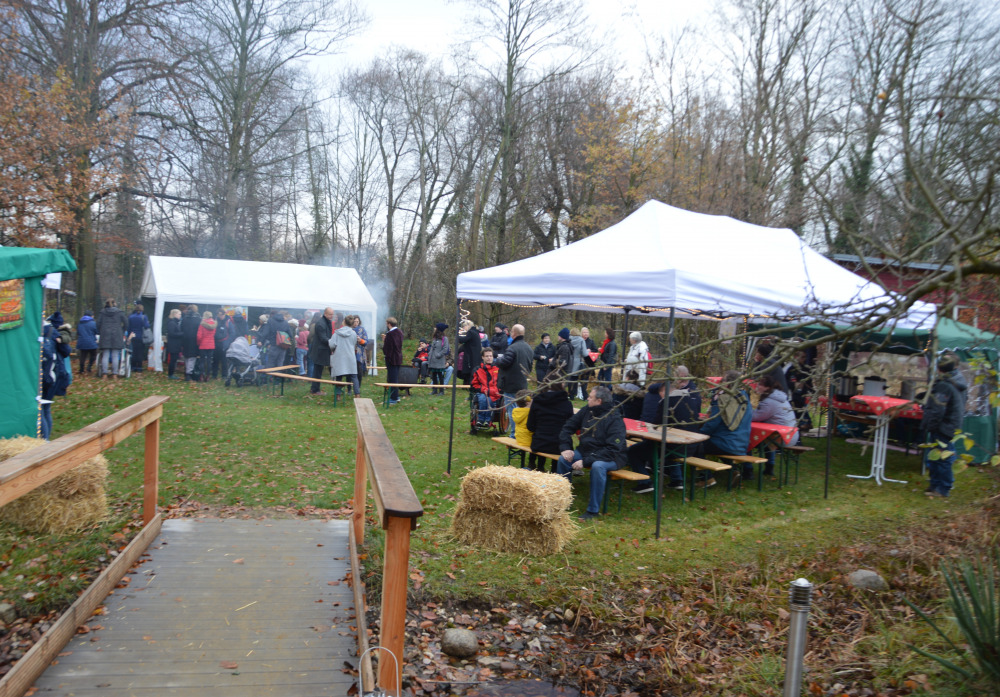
column 206, row 343
column 484, row 382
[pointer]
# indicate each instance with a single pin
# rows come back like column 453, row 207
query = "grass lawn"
column 732, row 554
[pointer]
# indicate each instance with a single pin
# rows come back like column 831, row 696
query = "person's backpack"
column 282, row 340
column 460, row 362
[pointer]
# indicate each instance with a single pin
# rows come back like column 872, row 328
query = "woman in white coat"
column 343, row 362
column 637, row 358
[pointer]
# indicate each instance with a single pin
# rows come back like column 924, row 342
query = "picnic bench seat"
column 386, row 386
column 275, row 372
column 515, row 449
column 752, row 460
column 792, row 453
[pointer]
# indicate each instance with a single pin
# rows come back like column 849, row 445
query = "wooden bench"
column 793, row 453
column 387, row 386
column 275, row 372
column 752, row 460
column 515, row 449
column 709, row 466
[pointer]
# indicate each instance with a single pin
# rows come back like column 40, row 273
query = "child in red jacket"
column 484, row 381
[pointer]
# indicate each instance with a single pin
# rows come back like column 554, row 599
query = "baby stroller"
column 242, row 361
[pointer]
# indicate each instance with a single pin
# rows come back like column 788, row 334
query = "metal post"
column 801, row 598
column 663, row 427
column 454, row 380
column 830, row 423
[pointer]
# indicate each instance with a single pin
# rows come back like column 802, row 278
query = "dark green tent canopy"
column 19, row 344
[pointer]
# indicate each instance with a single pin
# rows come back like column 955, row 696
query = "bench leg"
column 385, row 397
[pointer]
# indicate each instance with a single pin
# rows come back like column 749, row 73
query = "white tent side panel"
column 662, row 257
column 252, row 283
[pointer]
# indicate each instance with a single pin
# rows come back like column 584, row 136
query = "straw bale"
column 501, row 532
column 68, row 503
column 43, row 512
column 522, row 493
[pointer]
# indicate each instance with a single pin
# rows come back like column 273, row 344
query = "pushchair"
column 242, row 362
column 124, row 362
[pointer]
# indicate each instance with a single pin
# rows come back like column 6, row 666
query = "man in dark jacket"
column 111, row 325
column 276, row 355
column 319, row 347
column 501, row 339
column 515, row 367
column 944, row 412
column 544, row 353
column 564, row 352
column 601, row 446
column 240, row 323
column 392, row 350
column 189, row 325
column 225, row 332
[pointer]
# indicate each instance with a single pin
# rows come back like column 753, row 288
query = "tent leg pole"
column 661, row 461
column 830, row 425
column 454, row 381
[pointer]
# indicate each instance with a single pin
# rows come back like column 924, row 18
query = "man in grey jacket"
column 515, row 366
column 944, row 411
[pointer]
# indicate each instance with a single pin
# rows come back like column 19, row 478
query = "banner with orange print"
column 11, row 303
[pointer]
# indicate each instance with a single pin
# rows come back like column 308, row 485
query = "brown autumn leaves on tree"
column 40, row 143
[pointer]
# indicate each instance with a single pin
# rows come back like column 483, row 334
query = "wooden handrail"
column 29, row 470
column 398, row 508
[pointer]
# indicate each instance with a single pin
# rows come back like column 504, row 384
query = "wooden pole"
column 151, row 478
column 394, row 581
column 360, row 489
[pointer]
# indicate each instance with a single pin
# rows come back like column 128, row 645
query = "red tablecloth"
column 759, row 432
column 867, row 404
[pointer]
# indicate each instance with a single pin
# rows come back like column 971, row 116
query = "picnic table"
column 884, row 410
column 675, row 436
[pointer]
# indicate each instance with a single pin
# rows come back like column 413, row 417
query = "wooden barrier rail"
column 398, row 509
column 29, row 470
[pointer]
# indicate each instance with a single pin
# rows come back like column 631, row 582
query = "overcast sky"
column 431, row 26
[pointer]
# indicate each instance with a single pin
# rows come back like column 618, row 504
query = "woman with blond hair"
column 175, row 342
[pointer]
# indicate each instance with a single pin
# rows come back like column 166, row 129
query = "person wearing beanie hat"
column 499, row 340
column 564, row 352
column 86, row 342
column 944, row 411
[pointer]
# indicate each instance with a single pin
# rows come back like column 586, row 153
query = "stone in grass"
column 867, row 580
column 460, row 643
column 8, row 614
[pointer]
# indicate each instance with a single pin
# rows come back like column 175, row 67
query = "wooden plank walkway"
column 223, row 607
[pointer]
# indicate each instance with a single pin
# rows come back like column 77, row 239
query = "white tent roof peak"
column 661, row 257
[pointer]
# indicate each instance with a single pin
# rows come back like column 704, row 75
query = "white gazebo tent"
column 665, row 261
column 252, row 283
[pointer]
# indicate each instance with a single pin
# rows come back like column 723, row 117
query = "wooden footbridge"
column 223, row 607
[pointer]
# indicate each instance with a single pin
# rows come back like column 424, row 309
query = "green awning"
column 29, row 262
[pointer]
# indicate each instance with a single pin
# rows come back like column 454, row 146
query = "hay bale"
column 502, row 532
column 66, row 504
column 520, row 493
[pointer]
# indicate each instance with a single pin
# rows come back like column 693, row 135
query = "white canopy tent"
column 665, row 261
column 252, row 283
column 662, row 257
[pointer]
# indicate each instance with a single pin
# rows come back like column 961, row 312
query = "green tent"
column 972, row 345
column 21, row 307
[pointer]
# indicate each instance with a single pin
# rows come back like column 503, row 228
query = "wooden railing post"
column 394, row 581
column 398, row 509
column 151, row 474
column 360, row 490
